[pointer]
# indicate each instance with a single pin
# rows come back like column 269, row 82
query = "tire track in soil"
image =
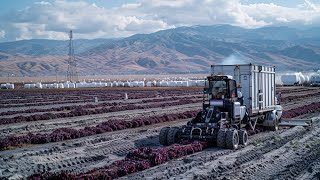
column 178, row 167
column 253, row 154
column 285, row 162
column 184, row 167
column 79, row 155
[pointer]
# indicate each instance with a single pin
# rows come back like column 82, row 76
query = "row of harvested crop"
column 81, row 112
column 136, row 160
column 62, row 134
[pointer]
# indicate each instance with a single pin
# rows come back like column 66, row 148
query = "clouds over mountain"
column 53, row 19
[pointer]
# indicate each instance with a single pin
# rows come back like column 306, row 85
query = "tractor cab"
column 220, row 88
column 219, row 94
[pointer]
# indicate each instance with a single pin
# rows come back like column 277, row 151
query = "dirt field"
column 290, row 153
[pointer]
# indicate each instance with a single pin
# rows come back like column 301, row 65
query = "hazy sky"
column 52, row 19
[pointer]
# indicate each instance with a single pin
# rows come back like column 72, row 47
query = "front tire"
column 232, row 139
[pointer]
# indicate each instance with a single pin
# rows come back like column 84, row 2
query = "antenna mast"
column 72, row 74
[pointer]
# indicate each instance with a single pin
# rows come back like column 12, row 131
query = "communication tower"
column 72, row 74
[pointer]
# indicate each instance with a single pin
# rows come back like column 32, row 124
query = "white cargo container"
column 256, row 83
column 315, row 80
column 290, row 79
column 3, row 86
column 10, row 86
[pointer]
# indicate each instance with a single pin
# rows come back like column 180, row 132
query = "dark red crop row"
column 291, row 90
column 90, row 106
column 62, row 134
column 295, row 97
column 136, row 160
column 310, row 108
column 79, row 111
column 31, row 98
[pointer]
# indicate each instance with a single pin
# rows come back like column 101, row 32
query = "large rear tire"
column 163, row 136
column 172, row 136
column 221, row 138
column 243, row 137
column 232, row 139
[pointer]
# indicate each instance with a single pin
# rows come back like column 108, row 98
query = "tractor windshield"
column 217, row 89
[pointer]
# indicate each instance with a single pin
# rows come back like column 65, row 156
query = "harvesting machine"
column 235, row 98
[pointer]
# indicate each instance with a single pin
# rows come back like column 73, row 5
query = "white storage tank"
column 302, row 78
column 307, row 80
column 149, row 84
column 290, row 79
column 44, row 86
column 315, row 80
column 32, row 86
column 158, row 83
column 10, row 86
column 126, row 84
column 3, row 86
column 172, row 83
column 141, row 84
column 109, row 84
column 201, row 83
column 38, row 85
column 26, row 86
column 179, row 83
column 66, row 85
column 72, row 85
column 191, row 83
column 120, row 84
column 114, row 84
column 185, row 83
column 164, row 84
column 134, row 84
column 92, row 85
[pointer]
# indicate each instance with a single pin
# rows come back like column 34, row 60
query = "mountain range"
column 180, row 50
